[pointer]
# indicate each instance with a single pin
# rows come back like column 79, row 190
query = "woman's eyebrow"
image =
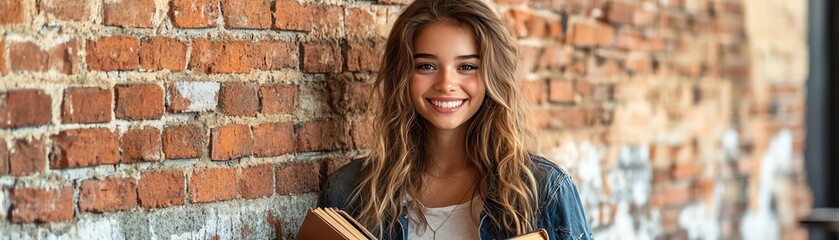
column 463, row 57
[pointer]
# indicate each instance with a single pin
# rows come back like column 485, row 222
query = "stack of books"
column 332, row 223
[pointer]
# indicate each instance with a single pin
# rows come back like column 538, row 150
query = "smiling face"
column 446, row 86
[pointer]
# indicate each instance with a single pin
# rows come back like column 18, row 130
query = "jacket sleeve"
column 565, row 211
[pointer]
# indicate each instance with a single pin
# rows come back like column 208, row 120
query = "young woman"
column 451, row 159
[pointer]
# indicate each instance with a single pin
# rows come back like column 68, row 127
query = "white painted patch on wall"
column 203, row 96
column 703, row 221
column 761, row 221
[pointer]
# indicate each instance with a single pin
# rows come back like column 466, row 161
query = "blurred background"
column 220, row 119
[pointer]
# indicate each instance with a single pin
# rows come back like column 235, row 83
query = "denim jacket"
column 561, row 212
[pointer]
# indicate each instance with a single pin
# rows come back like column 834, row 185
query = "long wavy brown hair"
column 497, row 141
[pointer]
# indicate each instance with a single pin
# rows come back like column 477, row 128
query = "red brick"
column 183, row 141
column 322, row 135
column 322, row 58
column 75, row 10
column 193, row 13
column 620, row 12
column 140, row 145
column 86, row 105
column 158, row 53
column 84, row 147
column 587, row 34
column 211, row 185
column 252, row 14
column 41, row 205
column 4, row 159
column 160, row 189
column 254, row 181
column 533, row 91
column 231, row 141
column 28, row 56
column 27, row 107
column 359, row 22
column 630, row 40
column 328, row 26
column 639, row 63
column 219, row 57
column 335, row 164
column 238, row 99
column 299, row 177
column 687, row 170
column 561, row 91
column 291, row 15
column 278, row 99
column 516, row 19
column 108, row 195
column 672, row 196
column 12, row 12
column 138, row 101
column 27, row 157
column 364, row 55
column 273, row 55
column 128, row 13
column 113, row 53
column 537, row 27
column 192, row 96
column 555, row 30
column 273, row 139
column 555, row 57
column 406, row 2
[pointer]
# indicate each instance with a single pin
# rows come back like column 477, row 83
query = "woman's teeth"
column 447, row 104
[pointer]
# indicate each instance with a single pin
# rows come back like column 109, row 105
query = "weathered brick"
column 291, row 15
column 348, row 98
column 533, row 91
column 4, row 159
column 334, row 164
column 158, row 53
column 29, row 56
column 555, row 57
column 298, row 177
column 211, row 185
column 327, row 26
column 516, row 19
column 239, row 99
column 537, row 27
column 219, row 57
column 639, row 63
column 86, row 105
column 12, row 12
column 406, row 2
column 273, row 139
column 561, row 90
column 273, row 55
column 113, row 53
column 160, row 189
column 364, row 55
column 671, row 196
column 128, row 13
column 84, row 147
column 252, row 14
column 27, row 107
column 108, row 195
column 140, row 145
column 254, row 181
column 322, row 135
column 362, row 133
column 321, row 57
column 231, row 141
column 138, row 101
column 75, row 10
column 192, row 96
column 359, row 22
column 183, row 141
column 193, row 13
column 41, row 205
column 27, row 157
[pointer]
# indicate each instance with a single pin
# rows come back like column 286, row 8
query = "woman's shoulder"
column 545, row 169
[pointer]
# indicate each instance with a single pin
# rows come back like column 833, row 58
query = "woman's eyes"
column 429, row 67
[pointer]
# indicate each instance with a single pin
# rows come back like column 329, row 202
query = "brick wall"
column 221, row 118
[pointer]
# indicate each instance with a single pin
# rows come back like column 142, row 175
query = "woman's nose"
column 446, row 81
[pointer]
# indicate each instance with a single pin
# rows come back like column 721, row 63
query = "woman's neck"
column 447, row 152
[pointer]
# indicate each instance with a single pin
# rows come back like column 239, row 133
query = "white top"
column 460, row 225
